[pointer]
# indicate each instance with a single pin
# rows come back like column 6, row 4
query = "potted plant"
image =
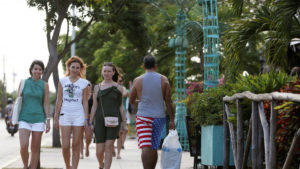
column 206, row 110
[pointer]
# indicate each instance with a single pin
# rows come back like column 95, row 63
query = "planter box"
column 212, row 138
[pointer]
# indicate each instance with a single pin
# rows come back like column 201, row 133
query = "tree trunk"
column 55, row 133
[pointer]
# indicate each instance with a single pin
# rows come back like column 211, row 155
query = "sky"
column 22, row 40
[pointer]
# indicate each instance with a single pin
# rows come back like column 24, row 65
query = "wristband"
column 90, row 123
column 87, row 119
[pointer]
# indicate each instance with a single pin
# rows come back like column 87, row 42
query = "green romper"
column 111, row 101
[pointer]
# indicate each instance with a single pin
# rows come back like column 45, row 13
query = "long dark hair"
column 116, row 75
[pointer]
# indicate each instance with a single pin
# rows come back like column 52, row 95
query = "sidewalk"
column 51, row 158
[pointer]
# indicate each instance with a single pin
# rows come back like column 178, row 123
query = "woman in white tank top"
column 71, row 109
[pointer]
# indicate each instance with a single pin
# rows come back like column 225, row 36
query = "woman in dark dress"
column 107, row 100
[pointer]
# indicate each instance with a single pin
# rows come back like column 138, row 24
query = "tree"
column 56, row 12
column 268, row 30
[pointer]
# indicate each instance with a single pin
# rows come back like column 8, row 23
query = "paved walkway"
column 52, row 158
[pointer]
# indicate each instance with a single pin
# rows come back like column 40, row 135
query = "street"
column 9, row 150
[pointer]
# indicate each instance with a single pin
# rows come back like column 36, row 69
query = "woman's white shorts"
column 32, row 126
column 71, row 119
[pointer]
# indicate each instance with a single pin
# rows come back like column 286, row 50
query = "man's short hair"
column 149, row 61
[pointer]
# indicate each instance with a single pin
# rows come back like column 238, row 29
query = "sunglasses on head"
column 108, row 64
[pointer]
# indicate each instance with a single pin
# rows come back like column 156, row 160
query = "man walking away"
column 150, row 93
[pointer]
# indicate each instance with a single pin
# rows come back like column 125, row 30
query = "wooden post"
column 226, row 140
column 260, row 145
column 254, row 135
column 295, row 143
column 273, row 121
column 248, row 143
column 232, row 135
column 240, row 138
column 266, row 134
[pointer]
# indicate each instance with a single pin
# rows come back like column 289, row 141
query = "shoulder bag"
column 18, row 105
column 109, row 121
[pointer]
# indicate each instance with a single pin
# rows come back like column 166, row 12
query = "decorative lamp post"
column 180, row 43
column 210, row 31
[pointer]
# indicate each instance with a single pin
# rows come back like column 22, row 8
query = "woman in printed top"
column 71, row 109
column 107, row 101
column 34, row 118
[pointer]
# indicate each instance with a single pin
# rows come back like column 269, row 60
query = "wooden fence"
column 263, row 153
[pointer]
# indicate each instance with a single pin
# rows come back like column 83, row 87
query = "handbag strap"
column 21, row 87
column 101, row 100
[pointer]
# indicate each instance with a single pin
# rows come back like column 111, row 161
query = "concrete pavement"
column 52, row 158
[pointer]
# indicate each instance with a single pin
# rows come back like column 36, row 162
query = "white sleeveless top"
column 72, row 96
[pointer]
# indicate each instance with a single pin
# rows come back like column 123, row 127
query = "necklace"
column 73, row 80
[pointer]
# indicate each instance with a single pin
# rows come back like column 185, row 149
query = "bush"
column 207, row 108
column 262, row 83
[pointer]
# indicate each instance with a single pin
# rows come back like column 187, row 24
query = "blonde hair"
column 76, row 59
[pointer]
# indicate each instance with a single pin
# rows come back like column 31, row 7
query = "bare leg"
column 88, row 141
column 65, row 137
column 149, row 158
column 76, row 143
column 24, row 135
column 113, row 149
column 108, row 153
column 121, row 141
column 119, row 144
column 81, row 147
column 35, row 148
column 124, row 136
column 100, row 153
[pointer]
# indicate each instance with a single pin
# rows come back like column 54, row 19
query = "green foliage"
column 262, row 83
column 207, row 108
column 269, row 27
column 287, row 124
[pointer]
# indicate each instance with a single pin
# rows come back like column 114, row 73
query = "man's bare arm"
column 169, row 103
column 133, row 95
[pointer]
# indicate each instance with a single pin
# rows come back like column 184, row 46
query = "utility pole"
column 73, row 46
column 14, row 80
column 3, row 90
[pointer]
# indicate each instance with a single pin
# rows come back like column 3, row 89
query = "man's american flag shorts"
column 149, row 131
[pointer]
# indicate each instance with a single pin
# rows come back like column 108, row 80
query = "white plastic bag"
column 171, row 151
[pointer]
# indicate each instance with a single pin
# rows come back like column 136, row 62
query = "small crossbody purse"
column 109, row 121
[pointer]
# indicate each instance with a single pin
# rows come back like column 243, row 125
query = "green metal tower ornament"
column 210, row 31
column 211, row 42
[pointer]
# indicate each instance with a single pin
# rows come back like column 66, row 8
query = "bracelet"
column 90, row 123
column 87, row 119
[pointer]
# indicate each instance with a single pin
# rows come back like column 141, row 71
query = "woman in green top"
column 107, row 100
column 34, row 114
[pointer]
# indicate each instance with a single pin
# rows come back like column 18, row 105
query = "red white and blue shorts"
column 149, row 131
